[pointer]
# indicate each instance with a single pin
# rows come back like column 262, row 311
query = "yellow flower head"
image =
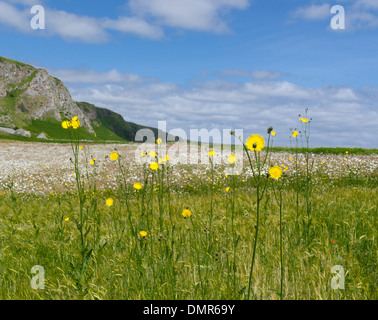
column 143, row 234
column 304, row 120
column 114, row 156
column 346, row 152
column 109, row 202
column 154, row 166
column 75, row 123
column 165, row 159
column 158, row 141
column 255, row 142
column 227, row 189
column 273, row 133
column 152, row 154
column 186, row 213
column 290, row 159
column 91, row 163
column 137, row 185
column 275, row 172
column 67, row 219
column 232, row 159
column 66, row 124
column 143, row 154
column 81, row 147
column 211, row 153
column 295, row 133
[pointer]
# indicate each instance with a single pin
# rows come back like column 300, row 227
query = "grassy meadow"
column 106, row 227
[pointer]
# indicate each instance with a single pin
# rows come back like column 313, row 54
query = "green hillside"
column 110, row 125
column 47, row 103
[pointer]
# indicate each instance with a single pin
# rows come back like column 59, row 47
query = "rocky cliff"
column 27, row 93
column 33, row 104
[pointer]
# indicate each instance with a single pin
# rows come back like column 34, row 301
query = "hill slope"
column 110, row 125
column 32, row 102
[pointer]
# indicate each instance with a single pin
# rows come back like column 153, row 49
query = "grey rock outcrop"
column 18, row 132
column 35, row 95
column 42, row 135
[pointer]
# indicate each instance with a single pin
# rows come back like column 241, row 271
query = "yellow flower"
column 67, row 219
column 154, row 166
column 255, row 142
column 275, row 172
column 227, row 189
column 165, row 159
column 158, row 141
column 114, row 156
column 152, row 154
column 75, row 123
column 321, row 162
column 66, row 124
column 143, row 154
column 232, row 159
column 346, row 152
column 186, row 213
column 81, row 147
column 137, row 185
column 304, row 120
column 295, row 133
column 290, row 159
column 91, row 163
column 211, row 153
column 301, row 119
column 143, row 234
column 287, row 168
column 273, row 133
column 109, row 202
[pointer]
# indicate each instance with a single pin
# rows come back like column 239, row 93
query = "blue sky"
column 211, row 63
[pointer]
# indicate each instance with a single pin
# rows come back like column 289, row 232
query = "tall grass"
column 237, row 239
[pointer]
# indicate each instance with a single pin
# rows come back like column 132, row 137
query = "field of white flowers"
column 41, row 168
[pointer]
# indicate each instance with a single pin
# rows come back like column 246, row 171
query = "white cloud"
column 313, row 12
column 67, row 25
column 202, row 15
column 256, row 74
column 360, row 19
column 265, row 75
column 359, row 14
column 26, row 2
column 73, row 27
column 135, row 26
column 73, row 76
column 340, row 114
column 368, row 4
column 14, row 18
